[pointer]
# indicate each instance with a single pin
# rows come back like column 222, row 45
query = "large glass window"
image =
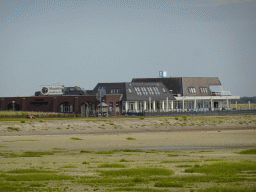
column 66, row 107
column 188, row 105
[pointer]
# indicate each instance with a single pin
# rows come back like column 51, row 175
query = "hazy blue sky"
column 81, row 43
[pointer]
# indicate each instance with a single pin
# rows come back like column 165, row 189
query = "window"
column 163, row 90
column 115, row 91
column 144, row 91
column 192, row 90
column 130, row 91
column 150, row 91
column 156, row 90
column 203, row 90
column 137, row 89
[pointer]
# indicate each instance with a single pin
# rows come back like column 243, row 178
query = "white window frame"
column 203, row 89
column 137, row 90
column 144, row 91
column 150, row 91
column 156, row 91
column 192, row 90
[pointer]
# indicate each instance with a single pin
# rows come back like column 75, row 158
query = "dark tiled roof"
column 181, row 85
column 123, row 88
column 174, row 83
column 142, row 91
column 118, row 87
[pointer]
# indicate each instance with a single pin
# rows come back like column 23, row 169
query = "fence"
column 173, row 113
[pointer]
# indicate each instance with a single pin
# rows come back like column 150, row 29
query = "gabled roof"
column 173, row 83
column 200, row 85
column 142, row 91
column 183, row 85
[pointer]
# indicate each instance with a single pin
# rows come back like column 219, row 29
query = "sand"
column 107, row 134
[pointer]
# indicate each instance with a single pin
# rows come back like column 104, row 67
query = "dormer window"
column 203, row 90
column 192, row 90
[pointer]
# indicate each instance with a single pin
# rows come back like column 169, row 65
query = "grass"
column 130, row 138
column 223, row 168
column 172, row 155
column 139, row 189
column 84, row 151
column 36, row 177
column 141, row 171
column 22, row 171
column 166, row 183
column 75, row 138
column 69, row 166
column 36, row 153
column 248, row 151
column 13, row 129
column 228, row 188
column 123, row 160
column 111, row 165
column 137, row 171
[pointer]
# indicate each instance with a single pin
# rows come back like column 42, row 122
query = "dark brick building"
column 64, row 104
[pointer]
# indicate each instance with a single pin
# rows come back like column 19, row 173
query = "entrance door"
column 215, row 104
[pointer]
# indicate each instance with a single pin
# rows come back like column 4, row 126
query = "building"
column 141, row 95
column 195, row 93
column 138, row 97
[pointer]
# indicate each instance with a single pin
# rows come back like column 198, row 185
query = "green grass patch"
column 172, row 155
column 111, row 165
column 228, row 188
column 14, row 186
column 69, row 166
column 123, row 160
column 223, row 168
column 248, row 151
column 13, row 129
column 185, row 161
column 214, row 160
column 130, row 138
column 166, row 183
column 75, row 138
column 137, row 171
column 184, row 166
column 36, row 153
column 22, row 171
column 26, row 154
column 197, row 179
column 36, row 177
column 105, row 152
column 139, row 189
column 84, row 151
column 115, row 182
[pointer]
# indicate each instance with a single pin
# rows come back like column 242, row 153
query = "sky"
column 82, row 43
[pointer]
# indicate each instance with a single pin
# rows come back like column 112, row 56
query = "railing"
column 215, row 112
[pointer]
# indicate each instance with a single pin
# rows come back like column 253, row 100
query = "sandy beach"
column 148, row 133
